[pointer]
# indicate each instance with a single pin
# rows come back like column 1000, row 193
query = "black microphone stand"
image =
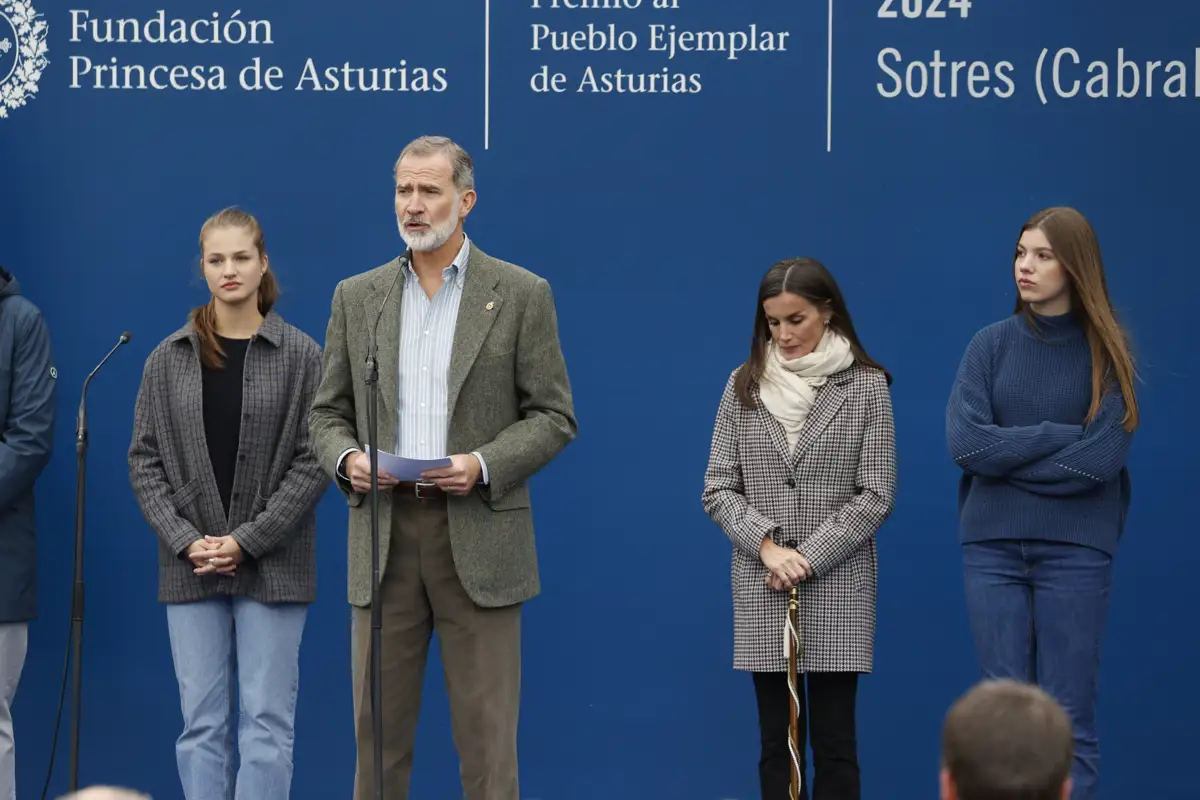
column 376, row 615
column 372, row 378
column 81, row 445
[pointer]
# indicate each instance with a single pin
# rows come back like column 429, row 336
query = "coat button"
column 792, row 483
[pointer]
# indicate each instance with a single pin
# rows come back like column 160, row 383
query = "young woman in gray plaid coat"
column 226, row 476
column 801, row 474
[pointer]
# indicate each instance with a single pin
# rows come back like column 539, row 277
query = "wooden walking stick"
column 795, row 654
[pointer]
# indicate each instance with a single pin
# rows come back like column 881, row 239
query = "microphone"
column 81, row 419
column 76, row 654
column 376, row 668
column 373, row 344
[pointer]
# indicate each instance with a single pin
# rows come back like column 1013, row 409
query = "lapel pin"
column 490, row 306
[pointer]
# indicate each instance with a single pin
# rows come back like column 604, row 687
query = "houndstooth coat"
column 827, row 499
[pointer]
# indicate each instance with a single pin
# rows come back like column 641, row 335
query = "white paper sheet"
column 406, row 469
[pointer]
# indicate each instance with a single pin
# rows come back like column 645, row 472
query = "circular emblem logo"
column 22, row 53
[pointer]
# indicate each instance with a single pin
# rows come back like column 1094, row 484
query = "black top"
column 223, row 413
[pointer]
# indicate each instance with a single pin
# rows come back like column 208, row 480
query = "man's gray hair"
column 460, row 161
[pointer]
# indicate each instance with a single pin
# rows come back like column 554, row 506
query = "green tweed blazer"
column 509, row 398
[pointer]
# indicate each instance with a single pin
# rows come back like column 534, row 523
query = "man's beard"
column 432, row 237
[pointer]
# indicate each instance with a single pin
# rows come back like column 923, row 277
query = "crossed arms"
column 1049, row 458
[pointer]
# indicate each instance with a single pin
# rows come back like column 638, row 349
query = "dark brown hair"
column 1005, row 740
column 809, row 279
column 1076, row 247
column 204, row 318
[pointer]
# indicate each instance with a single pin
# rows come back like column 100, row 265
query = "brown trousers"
column 481, row 659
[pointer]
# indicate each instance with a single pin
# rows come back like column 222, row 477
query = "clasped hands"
column 458, row 478
column 785, row 567
column 215, row 555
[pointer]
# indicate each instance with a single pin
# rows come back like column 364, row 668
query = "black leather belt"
column 420, row 489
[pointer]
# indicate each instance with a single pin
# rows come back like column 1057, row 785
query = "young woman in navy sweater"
column 1040, row 420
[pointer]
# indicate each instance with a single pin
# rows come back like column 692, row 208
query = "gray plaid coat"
column 826, row 499
column 277, row 483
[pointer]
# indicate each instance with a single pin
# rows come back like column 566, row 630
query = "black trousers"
column 827, row 715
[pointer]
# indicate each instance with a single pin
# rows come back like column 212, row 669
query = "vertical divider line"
column 487, row 72
column 829, row 87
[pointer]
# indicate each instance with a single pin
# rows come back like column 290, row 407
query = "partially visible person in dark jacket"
column 27, row 392
column 224, row 471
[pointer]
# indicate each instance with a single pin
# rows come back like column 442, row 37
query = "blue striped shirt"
column 426, row 344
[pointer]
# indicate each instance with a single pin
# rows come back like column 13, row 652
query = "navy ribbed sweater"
column 1014, row 423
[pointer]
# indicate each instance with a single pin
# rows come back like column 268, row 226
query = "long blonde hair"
column 1076, row 247
column 204, row 318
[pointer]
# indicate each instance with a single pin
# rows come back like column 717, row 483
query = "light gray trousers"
column 14, row 639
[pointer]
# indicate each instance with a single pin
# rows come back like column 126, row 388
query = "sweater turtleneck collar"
column 1053, row 328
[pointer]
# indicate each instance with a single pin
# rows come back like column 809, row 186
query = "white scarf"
column 789, row 388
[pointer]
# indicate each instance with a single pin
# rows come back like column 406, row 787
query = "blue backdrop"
column 653, row 214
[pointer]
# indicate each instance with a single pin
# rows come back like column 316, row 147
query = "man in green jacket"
column 470, row 370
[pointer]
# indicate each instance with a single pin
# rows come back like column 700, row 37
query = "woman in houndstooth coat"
column 801, row 474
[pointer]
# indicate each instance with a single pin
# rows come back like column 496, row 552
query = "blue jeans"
column 1038, row 611
column 229, row 647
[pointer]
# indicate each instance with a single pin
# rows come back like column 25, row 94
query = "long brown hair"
column 204, row 318
column 1076, row 247
column 809, row 279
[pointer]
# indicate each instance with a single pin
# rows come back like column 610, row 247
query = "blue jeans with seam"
column 1038, row 611
column 228, row 648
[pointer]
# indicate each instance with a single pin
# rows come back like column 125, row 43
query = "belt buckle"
column 420, row 486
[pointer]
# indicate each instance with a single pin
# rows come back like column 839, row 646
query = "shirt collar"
column 458, row 267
